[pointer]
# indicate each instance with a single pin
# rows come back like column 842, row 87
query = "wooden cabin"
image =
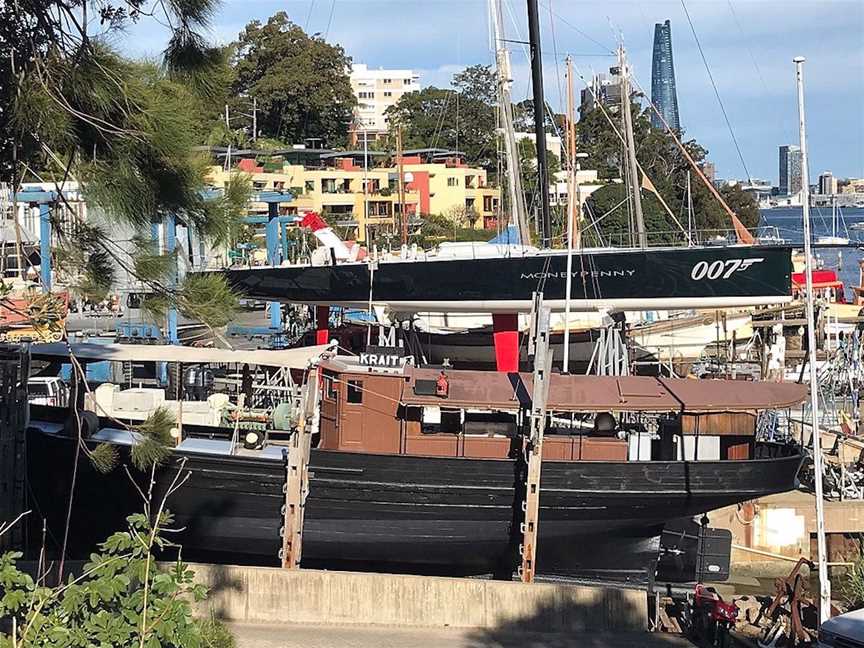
column 401, row 409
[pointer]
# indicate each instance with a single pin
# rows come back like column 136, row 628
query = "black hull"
column 404, row 511
column 659, row 278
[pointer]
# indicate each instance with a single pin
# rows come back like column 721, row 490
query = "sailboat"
column 836, row 217
column 501, row 279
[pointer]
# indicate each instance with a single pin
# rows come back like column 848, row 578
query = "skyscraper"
column 827, row 184
column 790, row 170
column 663, row 94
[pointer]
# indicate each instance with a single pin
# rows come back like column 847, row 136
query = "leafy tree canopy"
column 300, row 82
column 667, row 168
column 72, row 108
column 461, row 118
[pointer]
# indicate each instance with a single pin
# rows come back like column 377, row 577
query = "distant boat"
column 836, row 217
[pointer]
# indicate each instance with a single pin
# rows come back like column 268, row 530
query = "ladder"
column 14, row 373
column 539, row 348
column 297, row 474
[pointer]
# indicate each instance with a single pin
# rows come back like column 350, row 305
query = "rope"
column 716, row 92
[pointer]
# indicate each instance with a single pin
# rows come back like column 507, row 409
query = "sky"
column 748, row 44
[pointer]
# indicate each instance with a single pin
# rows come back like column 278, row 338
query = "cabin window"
column 355, row 391
column 330, row 392
column 437, row 420
column 490, row 424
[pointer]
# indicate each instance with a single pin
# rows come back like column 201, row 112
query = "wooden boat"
column 404, row 479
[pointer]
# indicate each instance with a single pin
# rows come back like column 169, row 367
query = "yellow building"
column 445, row 186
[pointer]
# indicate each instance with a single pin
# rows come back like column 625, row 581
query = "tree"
column 73, row 108
column 666, row 166
column 300, row 82
column 462, row 118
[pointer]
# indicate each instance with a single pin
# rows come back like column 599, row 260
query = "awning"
column 88, row 352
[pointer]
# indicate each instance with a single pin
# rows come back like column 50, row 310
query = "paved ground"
column 308, row 636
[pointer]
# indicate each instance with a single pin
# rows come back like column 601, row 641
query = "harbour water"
column 789, row 224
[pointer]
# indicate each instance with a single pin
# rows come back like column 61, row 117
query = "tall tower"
column 663, row 94
column 790, row 170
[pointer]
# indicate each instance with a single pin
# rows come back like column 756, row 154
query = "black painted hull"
column 622, row 279
column 597, row 518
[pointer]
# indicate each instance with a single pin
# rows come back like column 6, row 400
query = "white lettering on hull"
column 594, row 274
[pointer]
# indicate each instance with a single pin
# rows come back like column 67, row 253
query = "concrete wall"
column 783, row 524
column 275, row 596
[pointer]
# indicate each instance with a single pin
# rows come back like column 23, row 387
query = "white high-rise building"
column 827, row 184
column 376, row 91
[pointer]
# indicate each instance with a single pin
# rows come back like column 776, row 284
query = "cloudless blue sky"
column 749, row 45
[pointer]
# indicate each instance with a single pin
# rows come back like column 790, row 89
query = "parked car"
column 844, row 631
column 48, row 391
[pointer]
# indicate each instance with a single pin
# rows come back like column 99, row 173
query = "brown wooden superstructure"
column 396, row 410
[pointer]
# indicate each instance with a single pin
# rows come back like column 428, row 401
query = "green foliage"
column 149, row 263
column 153, row 447
column 214, row 634
column 225, row 213
column 667, row 168
column 84, row 263
column 461, row 118
column 104, row 457
column 852, row 587
column 72, row 107
column 122, row 598
column 300, row 82
column 437, row 228
column 208, row 298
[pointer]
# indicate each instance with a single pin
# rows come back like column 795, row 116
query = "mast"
column 632, row 166
column 401, row 185
column 539, row 123
column 824, row 584
column 572, row 202
column 690, row 220
column 518, row 212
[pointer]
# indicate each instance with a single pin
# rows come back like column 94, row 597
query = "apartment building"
column 366, row 199
column 376, row 91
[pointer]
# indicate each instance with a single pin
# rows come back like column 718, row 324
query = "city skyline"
column 749, row 47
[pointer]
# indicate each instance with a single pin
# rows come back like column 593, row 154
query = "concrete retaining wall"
column 275, row 596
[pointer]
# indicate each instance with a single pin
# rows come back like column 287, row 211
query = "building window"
column 309, row 186
column 406, row 81
column 388, row 80
column 366, row 95
column 355, row 391
column 452, row 182
column 388, row 94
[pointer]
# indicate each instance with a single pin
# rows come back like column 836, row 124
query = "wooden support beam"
column 534, row 444
column 297, row 475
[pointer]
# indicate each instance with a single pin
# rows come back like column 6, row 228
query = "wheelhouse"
column 474, row 414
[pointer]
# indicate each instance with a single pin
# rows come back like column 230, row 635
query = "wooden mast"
column 630, row 145
column 401, row 186
column 518, row 211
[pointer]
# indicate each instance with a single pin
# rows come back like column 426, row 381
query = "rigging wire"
column 564, row 21
column 555, row 53
column 309, row 15
column 330, row 19
column 716, row 92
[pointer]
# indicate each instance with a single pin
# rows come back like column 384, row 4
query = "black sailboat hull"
column 598, row 519
column 615, row 279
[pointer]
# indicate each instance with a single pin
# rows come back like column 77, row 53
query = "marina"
column 291, row 346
